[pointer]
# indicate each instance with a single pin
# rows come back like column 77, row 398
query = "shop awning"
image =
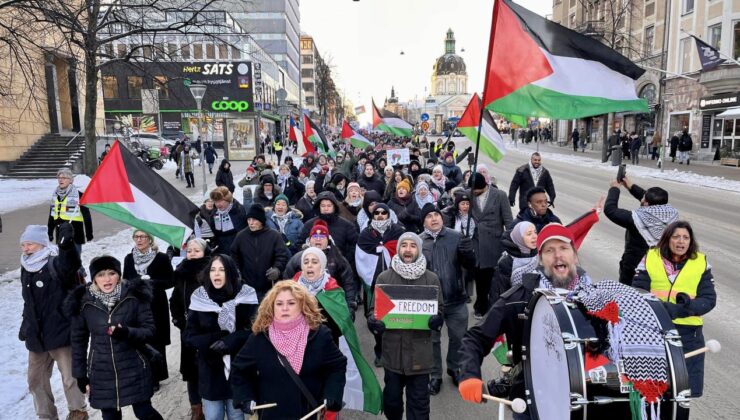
column 729, row 113
column 270, row 116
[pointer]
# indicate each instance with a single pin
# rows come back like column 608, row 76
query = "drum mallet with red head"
column 517, row 404
column 712, row 346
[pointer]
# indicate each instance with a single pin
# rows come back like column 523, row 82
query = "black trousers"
column 190, row 179
column 483, row 278
column 417, row 396
column 142, row 410
column 692, row 338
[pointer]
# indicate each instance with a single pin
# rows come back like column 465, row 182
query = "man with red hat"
column 558, row 268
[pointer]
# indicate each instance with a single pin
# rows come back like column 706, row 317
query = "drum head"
column 550, row 379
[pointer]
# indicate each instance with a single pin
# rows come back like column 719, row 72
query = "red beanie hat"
column 554, row 231
column 319, row 227
column 303, row 171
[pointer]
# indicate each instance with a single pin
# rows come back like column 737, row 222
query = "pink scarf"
column 290, row 338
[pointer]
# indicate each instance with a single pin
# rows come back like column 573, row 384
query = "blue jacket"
column 292, row 229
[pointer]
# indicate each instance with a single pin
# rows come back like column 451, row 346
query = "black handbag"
column 155, row 359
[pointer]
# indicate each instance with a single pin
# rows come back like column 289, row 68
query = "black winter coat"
column 119, row 373
column 502, row 276
column 223, row 240
column 408, row 213
column 255, row 253
column 202, row 331
column 343, row 233
column 685, row 144
column 161, row 274
column 224, row 177
column 293, row 189
column 210, row 154
column 373, row 183
column 44, row 326
column 635, row 246
column 186, row 282
column 262, row 199
column 528, row 215
column 337, row 266
column 305, row 205
column 446, row 256
column 523, row 182
column 257, row 375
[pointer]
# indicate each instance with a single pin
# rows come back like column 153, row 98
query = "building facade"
column 449, row 76
column 309, row 58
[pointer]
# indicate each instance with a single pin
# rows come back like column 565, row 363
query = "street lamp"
column 199, row 91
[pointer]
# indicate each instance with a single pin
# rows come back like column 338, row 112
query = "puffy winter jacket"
column 292, row 229
column 446, row 256
column 255, row 253
column 343, row 233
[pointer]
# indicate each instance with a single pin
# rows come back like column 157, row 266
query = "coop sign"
column 237, row 106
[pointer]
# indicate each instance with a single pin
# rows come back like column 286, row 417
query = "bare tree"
column 88, row 29
column 325, row 88
column 615, row 24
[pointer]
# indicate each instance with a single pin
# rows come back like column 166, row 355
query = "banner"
column 403, row 307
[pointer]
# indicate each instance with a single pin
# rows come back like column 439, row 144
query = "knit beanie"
column 312, row 250
column 405, row 184
column 282, row 197
column 460, row 197
column 381, row 206
column 257, row 212
column 38, row 234
column 319, row 227
column 353, row 185
column 104, row 262
column 429, row 208
column 406, row 236
column 303, row 171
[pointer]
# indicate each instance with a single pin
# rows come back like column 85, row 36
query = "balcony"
column 592, row 28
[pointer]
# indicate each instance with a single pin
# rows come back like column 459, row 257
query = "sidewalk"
column 705, row 168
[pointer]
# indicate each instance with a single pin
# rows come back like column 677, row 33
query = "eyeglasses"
column 137, row 237
column 380, row 212
column 319, row 236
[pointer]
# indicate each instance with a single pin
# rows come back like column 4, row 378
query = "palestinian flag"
column 304, row 147
column 356, row 139
column 499, row 350
column 390, row 123
column 555, row 72
column 406, row 307
column 582, row 225
column 362, row 390
column 315, row 136
column 125, row 189
column 491, row 141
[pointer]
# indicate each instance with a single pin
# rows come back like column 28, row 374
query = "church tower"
column 449, row 75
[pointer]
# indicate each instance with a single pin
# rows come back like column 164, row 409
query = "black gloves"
column 66, row 235
column 272, row 274
column 435, row 323
column 376, row 327
column 682, row 299
column 466, row 244
column 218, row 347
column 119, row 333
column 247, row 407
column 675, row 311
column 333, row 405
column 82, row 384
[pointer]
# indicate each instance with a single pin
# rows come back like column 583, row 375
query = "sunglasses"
column 380, row 212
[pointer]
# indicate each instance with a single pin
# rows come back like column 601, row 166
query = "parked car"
column 151, row 140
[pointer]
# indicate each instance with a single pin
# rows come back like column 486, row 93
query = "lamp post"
column 199, row 91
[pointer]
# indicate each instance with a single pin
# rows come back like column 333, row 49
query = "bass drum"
column 563, row 382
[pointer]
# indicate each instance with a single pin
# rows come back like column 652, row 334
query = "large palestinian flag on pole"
column 125, row 189
column 315, row 136
column 491, row 141
column 390, row 123
column 362, row 390
column 304, row 146
column 356, row 139
column 537, row 67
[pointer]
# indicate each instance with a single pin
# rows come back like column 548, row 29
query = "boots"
column 196, row 412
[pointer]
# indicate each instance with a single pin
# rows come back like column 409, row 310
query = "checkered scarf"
column 635, row 336
column 650, row 221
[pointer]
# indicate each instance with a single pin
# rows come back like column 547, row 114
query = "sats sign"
column 210, row 69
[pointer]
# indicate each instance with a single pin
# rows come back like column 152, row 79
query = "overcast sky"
column 363, row 40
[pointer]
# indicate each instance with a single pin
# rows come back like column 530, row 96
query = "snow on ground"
column 15, row 400
column 37, row 191
column 674, row 175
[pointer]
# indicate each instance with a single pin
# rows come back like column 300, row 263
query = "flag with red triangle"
column 491, row 141
column 304, row 146
column 407, row 307
column 389, row 122
column 356, row 139
column 125, row 189
column 315, row 136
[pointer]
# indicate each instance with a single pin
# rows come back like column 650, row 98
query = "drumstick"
column 316, row 410
column 712, row 346
column 517, row 404
column 260, row 407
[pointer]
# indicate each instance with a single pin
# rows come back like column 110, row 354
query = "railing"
column 74, row 138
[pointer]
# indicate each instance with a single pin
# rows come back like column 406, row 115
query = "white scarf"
column 201, row 302
column 280, row 221
column 536, row 173
column 222, row 220
column 315, row 286
column 36, row 261
column 410, row 271
column 461, row 224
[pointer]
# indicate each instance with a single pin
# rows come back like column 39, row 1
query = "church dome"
column 449, row 63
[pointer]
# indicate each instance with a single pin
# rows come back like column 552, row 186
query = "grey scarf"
column 201, row 302
column 109, row 300
column 315, row 286
column 281, row 221
column 381, row 225
column 143, row 259
column 36, row 261
column 650, row 221
column 71, row 190
column 410, row 271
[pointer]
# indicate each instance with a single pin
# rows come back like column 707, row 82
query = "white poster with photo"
column 398, row 157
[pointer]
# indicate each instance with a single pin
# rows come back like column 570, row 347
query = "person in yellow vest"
column 277, row 146
column 680, row 276
column 65, row 207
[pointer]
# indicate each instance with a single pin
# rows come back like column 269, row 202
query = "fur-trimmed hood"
column 137, row 288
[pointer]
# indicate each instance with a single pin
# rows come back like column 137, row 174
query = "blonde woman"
column 289, row 345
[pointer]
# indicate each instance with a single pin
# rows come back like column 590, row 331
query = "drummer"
column 558, row 268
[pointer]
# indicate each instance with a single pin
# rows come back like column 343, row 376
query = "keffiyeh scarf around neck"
column 535, row 172
column 521, row 266
column 381, row 225
column 281, row 221
column 432, row 233
column 36, row 261
column 70, row 191
column 290, row 339
column 315, row 286
column 201, row 302
column 461, row 224
column 650, row 221
column 109, row 300
column 581, row 279
column 410, row 271
column 143, row 259
column 222, row 219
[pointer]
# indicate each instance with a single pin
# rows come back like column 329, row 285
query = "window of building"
column 210, row 51
column 687, row 6
column 736, row 39
column 649, row 9
column 306, row 44
column 146, row 52
column 121, row 50
column 307, row 59
column 309, row 100
column 236, row 53
column 198, row 51
column 306, row 72
column 135, row 83
column 714, row 35
column 649, row 41
column 172, row 51
column 308, row 87
column 160, row 83
column 185, row 52
column 110, row 87
column 159, row 51
column 223, row 51
column 684, row 55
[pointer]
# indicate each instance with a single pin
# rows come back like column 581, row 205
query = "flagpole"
column 482, row 109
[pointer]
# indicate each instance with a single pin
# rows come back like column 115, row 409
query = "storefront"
column 721, row 122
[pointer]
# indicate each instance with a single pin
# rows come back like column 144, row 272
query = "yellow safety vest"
column 687, row 281
column 66, row 209
column 277, row 146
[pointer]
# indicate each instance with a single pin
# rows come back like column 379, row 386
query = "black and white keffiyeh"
column 536, row 173
column 410, row 271
column 143, row 259
column 635, row 336
column 650, row 221
column 201, row 302
column 521, row 266
column 109, row 300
